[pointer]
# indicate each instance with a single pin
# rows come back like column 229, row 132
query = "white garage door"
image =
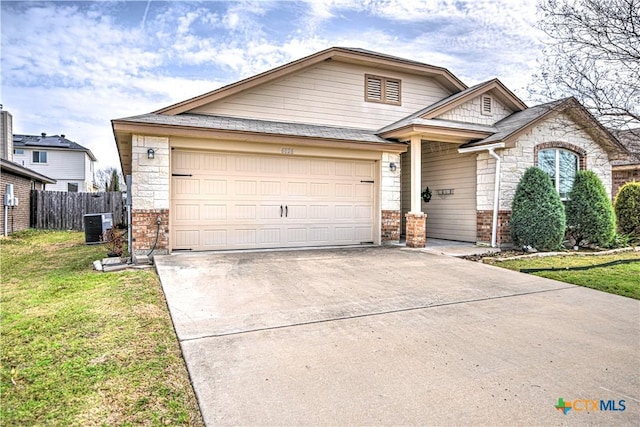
column 240, row 201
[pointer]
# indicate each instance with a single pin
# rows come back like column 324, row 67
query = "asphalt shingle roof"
column 260, row 126
column 631, row 140
column 49, row 141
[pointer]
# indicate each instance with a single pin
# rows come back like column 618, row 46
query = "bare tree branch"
column 594, row 55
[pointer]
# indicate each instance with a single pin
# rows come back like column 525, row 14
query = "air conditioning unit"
column 95, row 225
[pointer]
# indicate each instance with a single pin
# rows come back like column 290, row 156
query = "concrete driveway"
column 382, row 336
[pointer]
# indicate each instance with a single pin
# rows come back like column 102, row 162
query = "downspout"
column 496, row 192
column 496, row 200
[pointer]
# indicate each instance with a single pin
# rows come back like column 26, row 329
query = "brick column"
column 390, row 226
column 416, row 230
column 145, row 225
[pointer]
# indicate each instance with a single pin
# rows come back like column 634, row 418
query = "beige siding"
column 331, row 93
column 450, row 217
column 470, row 112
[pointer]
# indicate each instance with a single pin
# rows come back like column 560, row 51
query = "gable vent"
column 487, row 105
column 392, row 91
column 374, row 88
column 383, row 89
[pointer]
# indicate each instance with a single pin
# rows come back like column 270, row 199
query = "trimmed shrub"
column 537, row 214
column 627, row 207
column 590, row 216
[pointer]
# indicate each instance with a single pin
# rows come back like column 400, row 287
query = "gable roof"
column 514, row 125
column 53, row 141
column 17, row 169
column 451, row 102
column 342, row 54
column 630, row 138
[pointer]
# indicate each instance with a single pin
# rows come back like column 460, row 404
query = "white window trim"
column 556, row 153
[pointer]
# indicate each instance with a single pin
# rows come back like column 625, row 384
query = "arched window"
column 561, row 165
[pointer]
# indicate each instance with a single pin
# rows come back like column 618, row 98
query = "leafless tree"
column 109, row 179
column 593, row 54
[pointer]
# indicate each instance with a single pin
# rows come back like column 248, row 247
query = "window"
column 561, row 165
column 487, row 105
column 382, row 89
column 72, row 188
column 39, row 157
column 18, row 151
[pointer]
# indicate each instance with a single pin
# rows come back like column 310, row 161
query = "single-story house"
column 336, row 149
column 23, row 180
column 627, row 169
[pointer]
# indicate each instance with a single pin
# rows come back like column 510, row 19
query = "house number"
column 286, row 150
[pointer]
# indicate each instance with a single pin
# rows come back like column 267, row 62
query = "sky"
column 70, row 67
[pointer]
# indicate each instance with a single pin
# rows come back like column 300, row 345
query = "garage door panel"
column 233, row 201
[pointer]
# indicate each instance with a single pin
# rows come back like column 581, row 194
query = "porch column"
column 416, row 231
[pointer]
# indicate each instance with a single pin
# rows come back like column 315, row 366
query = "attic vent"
column 487, row 105
column 382, row 89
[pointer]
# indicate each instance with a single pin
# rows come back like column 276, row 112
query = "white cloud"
column 79, row 65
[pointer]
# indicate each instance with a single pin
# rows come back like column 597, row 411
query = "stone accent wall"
column 150, row 177
column 390, row 186
column 390, row 226
column 416, row 230
column 621, row 177
column 150, row 192
column 18, row 216
column 558, row 129
column 145, row 223
column 470, row 112
column 484, row 223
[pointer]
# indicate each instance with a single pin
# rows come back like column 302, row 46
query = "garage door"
column 238, row 201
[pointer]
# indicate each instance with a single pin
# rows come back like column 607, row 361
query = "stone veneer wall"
column 621, row 177
column 416, row 230
column 470, row 112
column 558, row 129
column 150, row 193
column 390, row 199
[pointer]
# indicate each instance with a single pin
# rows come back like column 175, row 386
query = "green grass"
column 621, row 279
column 85, row 348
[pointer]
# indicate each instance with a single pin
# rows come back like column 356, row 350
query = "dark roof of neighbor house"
column 20, row 170
column 260, row 126
column 50, row 141
column 630, row 138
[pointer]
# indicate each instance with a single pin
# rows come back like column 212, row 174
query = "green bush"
column 590, row 216
column 537, row 214
column 627, row 207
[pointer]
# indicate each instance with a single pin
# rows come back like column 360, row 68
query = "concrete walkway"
column 382, row 336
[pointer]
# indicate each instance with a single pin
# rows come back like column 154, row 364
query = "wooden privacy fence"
column 59, row 210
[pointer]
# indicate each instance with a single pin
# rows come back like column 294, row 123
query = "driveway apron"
column 382, row 336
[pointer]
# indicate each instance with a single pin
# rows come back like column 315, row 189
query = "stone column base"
column 416, row 230
column 390, row 226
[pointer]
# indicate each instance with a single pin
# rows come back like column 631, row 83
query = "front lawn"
column 620, row 279
column 85, row 348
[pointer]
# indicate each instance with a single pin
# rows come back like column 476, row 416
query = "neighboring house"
column 627, row 169
column 336, row 148
column 69, row 163
column 23, row 180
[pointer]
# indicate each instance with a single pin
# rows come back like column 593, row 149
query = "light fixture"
column 392, row 167
column 151, row 153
